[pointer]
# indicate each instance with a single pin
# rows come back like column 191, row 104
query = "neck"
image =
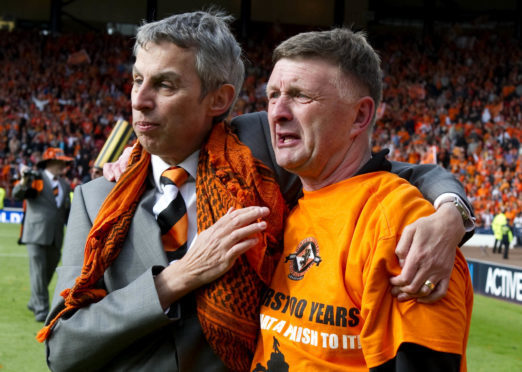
column 54, row 171
column 346, row 168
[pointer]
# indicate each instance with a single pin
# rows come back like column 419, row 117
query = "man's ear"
column 221, row 99
column 365, row 109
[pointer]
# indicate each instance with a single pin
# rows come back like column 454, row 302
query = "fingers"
column 126, row 154
column 216, row 249
column 428, row 293
column 240, row 248
column 405, row 278
column 402, row 296
column 123, row 161
column 416, row 281
column 108, row 172
column 247, row 232
column 235, row 227
column 411, row 280
column 235, row 219
column 241, row 228
column 403, row 247
column 438, row 292
column 113, row 171
column 430, row 248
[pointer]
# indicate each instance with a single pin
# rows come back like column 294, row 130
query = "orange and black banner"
column 115, row 144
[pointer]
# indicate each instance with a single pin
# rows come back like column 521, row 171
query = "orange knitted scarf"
column 228, row 176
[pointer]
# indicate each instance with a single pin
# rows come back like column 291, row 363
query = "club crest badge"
column 305, row 256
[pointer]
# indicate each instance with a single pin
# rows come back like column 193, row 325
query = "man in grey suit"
column 47, row 199
column 187, row 73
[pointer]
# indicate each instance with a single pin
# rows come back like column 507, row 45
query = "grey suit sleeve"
column 432, row 180
column 21, row 192
column 92, row 337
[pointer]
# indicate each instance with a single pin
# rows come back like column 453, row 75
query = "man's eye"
column 137, row 81
column 300, row 97
column 166, row 85
column 273, row 95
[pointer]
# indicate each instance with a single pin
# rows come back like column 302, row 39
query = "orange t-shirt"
column 329, row 307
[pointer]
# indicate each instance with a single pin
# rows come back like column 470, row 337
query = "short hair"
column 217, row 53
column 349, row 50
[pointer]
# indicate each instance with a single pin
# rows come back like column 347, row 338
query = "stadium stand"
column 454, row 99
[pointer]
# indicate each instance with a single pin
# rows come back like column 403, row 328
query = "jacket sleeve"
column 432, row 180
column 21, row 192
column 91, row 337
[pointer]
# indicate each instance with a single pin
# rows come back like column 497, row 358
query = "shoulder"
column 98, row 188
column 252, row 128
column 254, row 119
column 393, row 203
column 93, row 193
column 254, row 132
column 389, row 186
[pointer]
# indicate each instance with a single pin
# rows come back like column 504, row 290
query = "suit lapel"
column 144, row 234
column 63, row 184
column 66, row 202
column 48, row 188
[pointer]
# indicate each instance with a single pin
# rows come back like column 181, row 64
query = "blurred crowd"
column 457, row 100
column 64, row 92
column 453, row 98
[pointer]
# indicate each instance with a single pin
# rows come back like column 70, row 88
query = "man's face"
column 56, row 167
column 310, row 117
column 169, row 118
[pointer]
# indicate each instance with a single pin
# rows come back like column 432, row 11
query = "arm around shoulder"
column 432, row 180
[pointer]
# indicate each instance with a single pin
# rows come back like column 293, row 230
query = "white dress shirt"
column 187, row 190
column 54, row 183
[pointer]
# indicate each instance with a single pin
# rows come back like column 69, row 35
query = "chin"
column 287, row 165
column 148, row 142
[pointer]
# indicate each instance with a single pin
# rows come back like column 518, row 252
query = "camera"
column 31, row 174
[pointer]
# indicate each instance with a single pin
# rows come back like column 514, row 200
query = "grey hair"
column 349, row 50
column 217, row 52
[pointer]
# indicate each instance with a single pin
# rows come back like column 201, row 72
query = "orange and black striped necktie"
column 173, row 220
column 56, row 190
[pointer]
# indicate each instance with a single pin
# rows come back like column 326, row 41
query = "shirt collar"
column 190, row 164
column 377, row 162
column 51, row 176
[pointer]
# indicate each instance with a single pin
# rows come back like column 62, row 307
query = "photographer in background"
column 46, row 206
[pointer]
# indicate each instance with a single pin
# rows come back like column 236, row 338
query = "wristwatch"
column 463, row 210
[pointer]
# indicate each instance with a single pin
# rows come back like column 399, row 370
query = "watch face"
column 462, row 210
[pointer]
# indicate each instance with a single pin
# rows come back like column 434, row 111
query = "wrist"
column 452, row 220
column 459, row 206
column 172, row 284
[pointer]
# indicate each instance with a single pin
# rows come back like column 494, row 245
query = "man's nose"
column 142, row 98
column 279, row 109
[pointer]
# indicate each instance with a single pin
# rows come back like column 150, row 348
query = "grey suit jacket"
column 127, row 329
column 44, row 221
